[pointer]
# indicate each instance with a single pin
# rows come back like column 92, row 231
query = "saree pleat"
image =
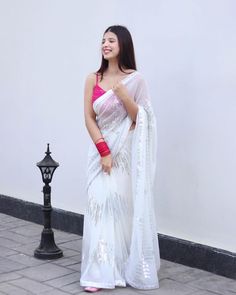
column 108, row 224
column 120, row 242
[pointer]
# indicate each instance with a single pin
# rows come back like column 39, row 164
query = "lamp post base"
column 48, row 248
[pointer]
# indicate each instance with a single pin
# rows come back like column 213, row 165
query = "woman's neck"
column 113, row 68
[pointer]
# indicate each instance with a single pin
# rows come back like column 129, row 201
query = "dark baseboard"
column 188, row 253
column 61, row 219
column 196, row 255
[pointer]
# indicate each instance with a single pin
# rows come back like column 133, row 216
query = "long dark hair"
column 126, row 57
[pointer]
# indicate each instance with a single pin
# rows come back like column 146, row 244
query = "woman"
column 120, row 243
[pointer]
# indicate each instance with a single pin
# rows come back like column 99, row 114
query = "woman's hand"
column 131, row 107
column 106, row 163
column 121, row 91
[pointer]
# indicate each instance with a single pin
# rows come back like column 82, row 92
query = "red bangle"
column 103, row 148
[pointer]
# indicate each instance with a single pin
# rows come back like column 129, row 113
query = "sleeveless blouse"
column 97, row 90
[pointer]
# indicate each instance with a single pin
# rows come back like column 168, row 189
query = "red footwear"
column 91, row 289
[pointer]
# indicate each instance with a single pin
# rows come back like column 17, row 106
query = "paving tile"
column 56, row 292
column 4, row 242
column 199, row 292
column 9, row 218
column 168, row 271
column 6, row 251
column 68, row 252
column 64, row 280
column 73, row 288
column 170, row 287
column 4, row 223
column 28, row 249
column 131, row 291
column 5, row 217
column 167, row 263
column 17, row 237
column 17, row 222
column 30, row 230
column 75, row 255
column 7, row 265
column 188, row 275
column 125, row 291
column 73, row 245
column 20, row 222
column 31, row 286
column 215, row 283
column 21, row 273
column 76, row 267
column 44, row 272
column 9, row 276
column 3, row 228
column 64, row 261
column 61, row 236
column 26, row 259
column 12, row 290
column 10, row 223
column 11, row 226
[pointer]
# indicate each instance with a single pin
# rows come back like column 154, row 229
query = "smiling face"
column 110, row 46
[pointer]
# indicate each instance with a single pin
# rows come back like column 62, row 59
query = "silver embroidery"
column 94, row 210
column 122, row 161
column 123, row 158
column 118, row 206
column 103, row 253
column 145, row 266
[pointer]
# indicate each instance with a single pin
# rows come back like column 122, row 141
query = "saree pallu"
column 120, row 244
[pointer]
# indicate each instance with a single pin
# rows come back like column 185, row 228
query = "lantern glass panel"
column 47, row 173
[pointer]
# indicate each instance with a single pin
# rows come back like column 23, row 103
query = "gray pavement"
column 21, row 273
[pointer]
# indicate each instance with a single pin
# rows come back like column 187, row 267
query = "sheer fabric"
column 120, row 242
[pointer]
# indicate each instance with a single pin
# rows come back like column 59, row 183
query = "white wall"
column 186, row 51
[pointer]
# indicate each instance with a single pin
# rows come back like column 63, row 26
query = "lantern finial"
column 48, row 150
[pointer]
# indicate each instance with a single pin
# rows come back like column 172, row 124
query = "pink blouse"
column 97, row 90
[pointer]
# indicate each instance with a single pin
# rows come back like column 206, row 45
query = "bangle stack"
column 103, row 148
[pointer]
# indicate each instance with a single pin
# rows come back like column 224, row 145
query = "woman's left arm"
column 129, row 103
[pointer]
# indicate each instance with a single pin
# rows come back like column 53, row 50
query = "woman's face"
column 110, row 46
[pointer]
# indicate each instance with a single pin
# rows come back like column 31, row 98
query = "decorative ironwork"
column 47, row 248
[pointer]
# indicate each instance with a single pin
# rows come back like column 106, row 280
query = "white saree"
column 120, row 244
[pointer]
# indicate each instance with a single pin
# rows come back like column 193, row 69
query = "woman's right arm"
column 89, row 114
column 90, row 121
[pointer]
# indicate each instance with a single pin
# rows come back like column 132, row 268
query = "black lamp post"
column 47, row 248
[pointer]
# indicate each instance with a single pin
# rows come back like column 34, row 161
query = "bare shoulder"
column 91, row 79
column 89, row 85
